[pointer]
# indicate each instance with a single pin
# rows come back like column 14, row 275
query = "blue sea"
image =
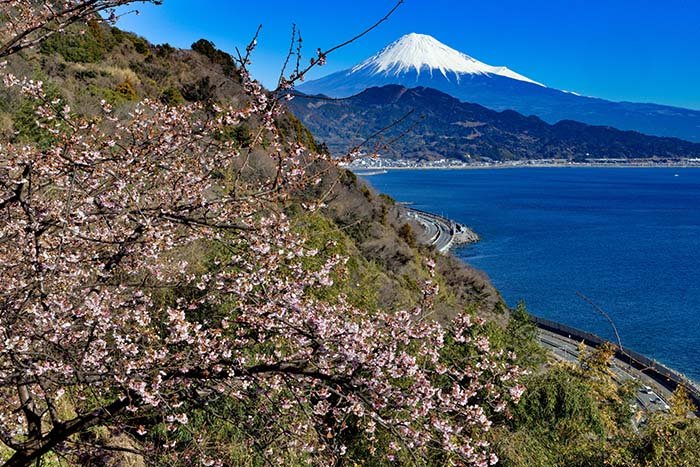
column 628, row 239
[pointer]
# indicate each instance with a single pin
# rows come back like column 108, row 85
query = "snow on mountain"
column 422, row 52
column 418, row 60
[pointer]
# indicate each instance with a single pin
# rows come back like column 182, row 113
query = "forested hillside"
column 187, row 280
column 439, row 126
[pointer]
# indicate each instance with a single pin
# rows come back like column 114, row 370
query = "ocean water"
column 628, row 239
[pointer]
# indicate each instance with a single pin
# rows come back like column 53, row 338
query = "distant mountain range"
column 443, row 127
column 421, row 60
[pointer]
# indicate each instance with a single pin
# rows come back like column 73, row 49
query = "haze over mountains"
column 420, row 60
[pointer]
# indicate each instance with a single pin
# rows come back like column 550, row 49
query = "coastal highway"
column 434, row 231
column 651, row 396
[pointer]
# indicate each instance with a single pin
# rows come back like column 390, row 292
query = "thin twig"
column 314, row 62
column 381, row 130
column 290, row 52
column 605, row 315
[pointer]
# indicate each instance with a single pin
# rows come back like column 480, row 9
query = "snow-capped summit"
column 421, row 52
column 419, row 60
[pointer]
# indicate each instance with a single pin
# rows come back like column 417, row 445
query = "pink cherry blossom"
column 95, row 228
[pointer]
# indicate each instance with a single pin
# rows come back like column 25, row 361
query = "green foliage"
column 119, row 36
column 102, row 34
column 165, row 50
column 387, row 199
column 171, row 96
column 323, row 148
column 383, row 214
column 200, row 90
column 359, row 281
column 366, row 192
column 597, row 363
column 298, row 132
column 522, row 334
column 521, row 449
column 557, row 422
column 74, row 48
column 559, row 402
column 613, row 398
column 205, row 48
column 241, row 134
column 520, row 337
column 235, row 431
column 83, row 75
column 668, row 442
column 81, row 46
column 406, row 233
column 24, row 123
column 25, row 120
column 140, row 45
column 151, row 69
column 123, row 93
column 220, row 57
column 348, row 177
column 127, row 91
column 681, row 404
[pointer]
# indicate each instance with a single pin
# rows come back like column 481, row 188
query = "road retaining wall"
column 452, row 226
column 663, row 375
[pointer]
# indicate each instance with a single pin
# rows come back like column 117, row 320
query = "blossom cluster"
column 146, row 259
column 25, row 23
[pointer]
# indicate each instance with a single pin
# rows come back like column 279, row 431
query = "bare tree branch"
column 25, row 26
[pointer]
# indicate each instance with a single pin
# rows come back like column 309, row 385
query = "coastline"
column 522, row 166
column 639, row 366
column 497, row 211
column 665, row 376
column 439, row 231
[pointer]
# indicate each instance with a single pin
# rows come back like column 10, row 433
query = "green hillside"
column 569, row 414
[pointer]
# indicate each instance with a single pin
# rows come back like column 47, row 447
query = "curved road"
column 435, row 231
column 650, row 397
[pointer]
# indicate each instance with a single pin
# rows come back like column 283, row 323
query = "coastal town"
column 382, row 163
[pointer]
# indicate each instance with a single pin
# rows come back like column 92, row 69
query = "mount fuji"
column 415, row 52
column 419, row 60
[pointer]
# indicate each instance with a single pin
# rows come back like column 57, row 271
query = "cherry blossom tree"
column 148, row 268
column 25, row 23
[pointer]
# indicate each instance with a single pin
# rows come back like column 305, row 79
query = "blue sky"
column 634, row 50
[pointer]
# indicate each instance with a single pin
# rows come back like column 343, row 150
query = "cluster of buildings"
column 375, row 163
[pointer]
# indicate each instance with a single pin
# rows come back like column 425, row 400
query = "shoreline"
column 457, row 234
column 665, row 376
column 523, row 166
